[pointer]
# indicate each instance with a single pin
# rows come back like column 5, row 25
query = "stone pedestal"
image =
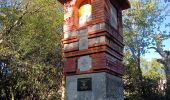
column 104, row 87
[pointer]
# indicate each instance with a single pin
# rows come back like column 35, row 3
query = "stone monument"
column 93, row 49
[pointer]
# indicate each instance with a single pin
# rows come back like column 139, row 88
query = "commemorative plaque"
column 84, row 84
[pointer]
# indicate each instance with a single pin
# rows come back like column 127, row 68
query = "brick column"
column 93, row 49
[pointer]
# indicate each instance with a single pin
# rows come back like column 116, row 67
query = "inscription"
column 84, row 84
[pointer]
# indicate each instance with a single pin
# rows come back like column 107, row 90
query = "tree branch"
column 159, row 50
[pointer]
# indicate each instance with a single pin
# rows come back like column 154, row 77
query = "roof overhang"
column 124, row 4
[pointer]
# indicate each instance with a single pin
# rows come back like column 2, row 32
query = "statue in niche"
column 85, row 13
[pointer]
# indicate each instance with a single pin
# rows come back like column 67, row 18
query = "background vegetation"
column 31, row 58
column 142, row 31
column 30, row 49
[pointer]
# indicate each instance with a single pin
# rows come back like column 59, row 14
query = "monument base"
column 95, row 86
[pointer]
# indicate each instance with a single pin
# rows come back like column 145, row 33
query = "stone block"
column 83, row 33
column 71, row 45
column 104, row 87
column 70, row 34
column 84, row 63
column 83, row 43
column 97, row 40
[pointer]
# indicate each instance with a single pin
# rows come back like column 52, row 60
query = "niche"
column 84, row 12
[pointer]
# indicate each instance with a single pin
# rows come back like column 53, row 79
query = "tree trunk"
column 167, row 72
column 141, row 85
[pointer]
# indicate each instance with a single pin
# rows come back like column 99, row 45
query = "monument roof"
column 124, row 4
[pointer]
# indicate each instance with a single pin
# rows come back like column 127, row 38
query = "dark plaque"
column 84, row 84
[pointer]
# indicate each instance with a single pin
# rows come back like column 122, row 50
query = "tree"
column 30, row 43
column 131, row 83
column 165, row 60
column 140, row 23
column 152, row 69
column 158, row 38
column 152, row 74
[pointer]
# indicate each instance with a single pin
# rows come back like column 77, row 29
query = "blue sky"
column 152, row 54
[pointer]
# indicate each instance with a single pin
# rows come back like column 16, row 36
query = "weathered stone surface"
column 104, row 87
column 114, row 88
column 96, row 27
column 71, row 45
column 97, row 40
column 70, row 34
column 84, row 63
column 114, row 45
column 83, row 33
column 83, row 43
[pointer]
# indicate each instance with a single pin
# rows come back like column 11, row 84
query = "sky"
column 152, row 54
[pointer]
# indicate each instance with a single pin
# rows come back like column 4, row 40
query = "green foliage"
column 153, row 69
column 140, row 23
column 142, row 30
column 31, row 45
column 151, row 77
column 131, row 79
